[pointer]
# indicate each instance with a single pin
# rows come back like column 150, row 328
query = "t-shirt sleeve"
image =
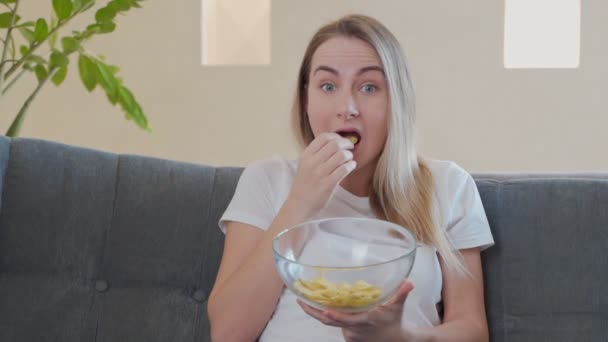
column 252, row 202
column 468, row 225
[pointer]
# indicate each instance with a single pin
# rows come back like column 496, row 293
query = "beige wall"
column 471, row 109
column 236, row 32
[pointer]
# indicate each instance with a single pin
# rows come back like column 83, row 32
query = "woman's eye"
column 369, row 88
column 328, row 87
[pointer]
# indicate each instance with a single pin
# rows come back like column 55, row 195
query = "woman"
column 354, row 83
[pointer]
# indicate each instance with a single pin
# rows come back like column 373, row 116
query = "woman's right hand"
column 322, row 166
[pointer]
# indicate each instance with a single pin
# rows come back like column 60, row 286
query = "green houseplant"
column 22, row 53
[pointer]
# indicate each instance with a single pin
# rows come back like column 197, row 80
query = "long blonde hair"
column 402, row 186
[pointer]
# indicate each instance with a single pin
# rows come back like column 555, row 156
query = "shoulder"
column 273, row 175
column 260, row 191
column 454, row 187
column 275, row 163
column 271, row 168
column 460, row 206
column 447, row 173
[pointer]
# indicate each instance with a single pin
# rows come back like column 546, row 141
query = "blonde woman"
column 354, row 83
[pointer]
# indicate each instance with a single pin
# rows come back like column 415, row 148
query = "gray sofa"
column 96, row 246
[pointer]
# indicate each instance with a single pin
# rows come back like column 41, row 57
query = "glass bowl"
column 346, row 264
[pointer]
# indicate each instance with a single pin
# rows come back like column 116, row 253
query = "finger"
column 332, row 146
column 342, row 171
column 358, row 334
column 334, row 318
column 318, row 315
column 319, row 142
column 401, row 294
column 348, row 320
column 338, row 158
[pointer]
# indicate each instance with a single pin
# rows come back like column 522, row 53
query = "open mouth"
column 353, row 136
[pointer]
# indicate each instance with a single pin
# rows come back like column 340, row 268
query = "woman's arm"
column 247, row 286
column 464, row 308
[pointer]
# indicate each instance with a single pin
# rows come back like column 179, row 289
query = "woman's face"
column 347, row 94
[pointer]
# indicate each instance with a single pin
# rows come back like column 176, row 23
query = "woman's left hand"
column 380, row 324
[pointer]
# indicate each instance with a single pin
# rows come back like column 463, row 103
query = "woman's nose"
column 348, row 107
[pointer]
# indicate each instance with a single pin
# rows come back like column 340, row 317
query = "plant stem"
column 13, row 47
column 13, row 131
column 10, row 84
column 9, row 61
column 37, row 44
column 9, row 31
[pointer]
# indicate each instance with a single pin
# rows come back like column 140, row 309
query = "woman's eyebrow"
column 370, row 68
column 326, row 68
column 361, row 71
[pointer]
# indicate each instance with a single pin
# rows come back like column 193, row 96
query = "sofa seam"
column 105, row 241
column 4, row 178
column 112, row 214
column 499, row 194
column 202, row 261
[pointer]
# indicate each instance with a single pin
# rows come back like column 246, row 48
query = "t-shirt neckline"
column 359, row 202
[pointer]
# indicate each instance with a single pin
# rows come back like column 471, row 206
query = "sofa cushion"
column 97, row 246
column 546, row 276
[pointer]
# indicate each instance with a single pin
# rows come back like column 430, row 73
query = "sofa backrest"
column 546, row 276
column 96, row 246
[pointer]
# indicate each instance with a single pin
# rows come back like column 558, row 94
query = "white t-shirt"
column 264, row 186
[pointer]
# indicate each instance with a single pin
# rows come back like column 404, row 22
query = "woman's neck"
column 359, row 181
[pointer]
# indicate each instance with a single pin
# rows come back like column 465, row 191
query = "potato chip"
column 353, row 139
column 341, row 295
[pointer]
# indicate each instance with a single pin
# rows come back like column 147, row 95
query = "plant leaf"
column 7, row 1
column 41, row 72
column 107, row 27
column 24, row 50
column 131, row 108
column 69, row 45
column 5, row 19
column 41, row 31
column 27, row 34
column 77, row 5
column 114, row 70
column 36, row 59
column 26, row 24
column 55, row 35
column 113, row 98
column 122, row 5
column 59, row 76
column 88, row 72
column 108, row 81
column 105, row 14
column 93, row 28
column 126, row 99
column 87, row 4
column 58, row 59
column 63, row 8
